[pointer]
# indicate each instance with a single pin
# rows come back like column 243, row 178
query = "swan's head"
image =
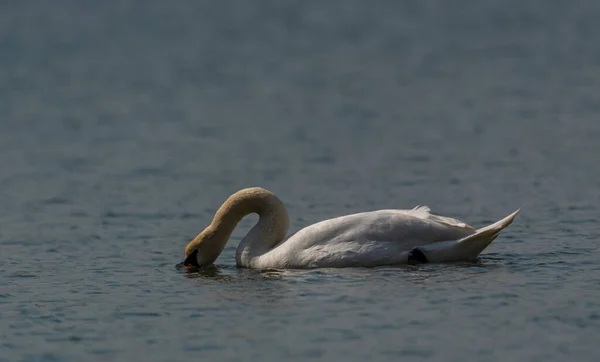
column 204, row 249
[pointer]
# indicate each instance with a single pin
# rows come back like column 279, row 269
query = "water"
column 125, row 124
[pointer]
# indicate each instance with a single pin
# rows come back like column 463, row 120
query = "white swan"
column 368, row 239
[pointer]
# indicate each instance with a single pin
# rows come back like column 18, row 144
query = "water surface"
column 124, row 125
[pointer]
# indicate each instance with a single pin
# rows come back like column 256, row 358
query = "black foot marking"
column 416, row 256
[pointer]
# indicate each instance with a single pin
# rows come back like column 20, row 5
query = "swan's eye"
column 192, row 259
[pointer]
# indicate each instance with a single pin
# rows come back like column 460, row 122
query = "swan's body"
column 367, row 239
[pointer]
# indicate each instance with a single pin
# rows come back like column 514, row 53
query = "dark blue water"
column 124, row 125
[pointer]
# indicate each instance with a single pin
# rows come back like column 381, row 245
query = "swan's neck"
column 270, row 229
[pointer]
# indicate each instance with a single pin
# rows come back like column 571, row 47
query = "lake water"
column 125, row 124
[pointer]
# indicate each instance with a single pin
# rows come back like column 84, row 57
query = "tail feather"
column 474, row 244
column 469, row 247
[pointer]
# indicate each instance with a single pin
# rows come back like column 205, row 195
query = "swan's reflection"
column 229, row 274
column 411, row 273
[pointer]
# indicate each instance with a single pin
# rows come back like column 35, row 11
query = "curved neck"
column 270, row 229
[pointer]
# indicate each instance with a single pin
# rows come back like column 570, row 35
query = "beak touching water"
column 192, row 259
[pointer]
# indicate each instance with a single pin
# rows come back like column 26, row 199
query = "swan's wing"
column 423, row 212
column 411, row 227
column 416, row 227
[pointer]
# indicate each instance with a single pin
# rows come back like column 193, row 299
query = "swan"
column 367, row 239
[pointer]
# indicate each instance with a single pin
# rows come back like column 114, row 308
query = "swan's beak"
column 192, row 259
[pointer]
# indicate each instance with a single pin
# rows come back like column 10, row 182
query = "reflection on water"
column 418, row 274
column 229, row 273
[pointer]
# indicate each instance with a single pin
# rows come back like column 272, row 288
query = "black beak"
column 192, row 259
